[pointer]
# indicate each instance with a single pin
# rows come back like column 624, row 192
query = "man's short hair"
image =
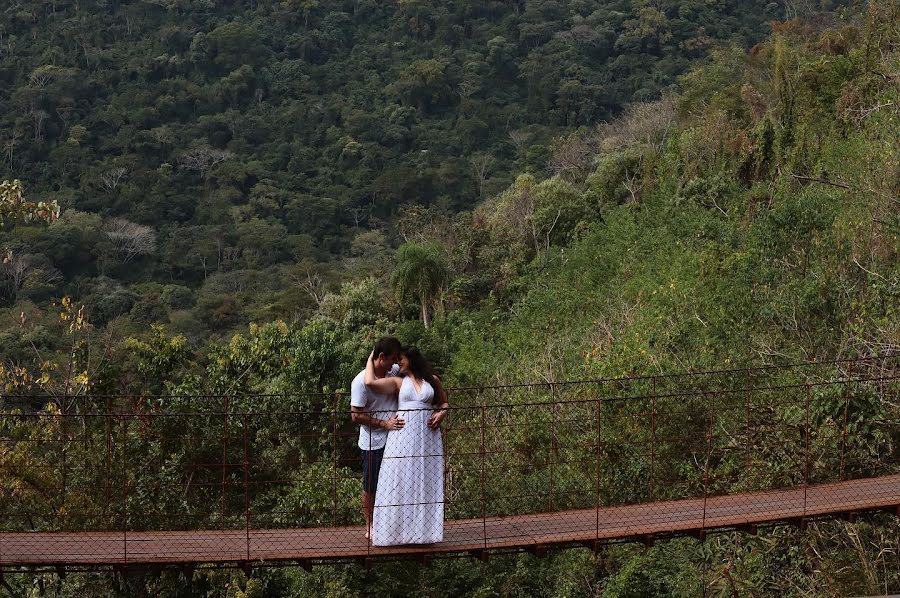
column 389, row 345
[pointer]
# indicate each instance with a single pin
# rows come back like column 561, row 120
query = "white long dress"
column 409, row 503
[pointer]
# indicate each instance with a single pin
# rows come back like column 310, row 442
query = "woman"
column 409, row 502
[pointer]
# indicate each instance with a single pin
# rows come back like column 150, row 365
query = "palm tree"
column 421, row 275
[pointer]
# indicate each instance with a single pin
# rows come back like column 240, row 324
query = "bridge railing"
column 136, row 463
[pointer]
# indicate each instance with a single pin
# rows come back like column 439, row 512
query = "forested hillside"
column 746, row 215
column 212, row 159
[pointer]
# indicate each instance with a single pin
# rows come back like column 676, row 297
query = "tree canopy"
column 420, row 275
column 233, row 231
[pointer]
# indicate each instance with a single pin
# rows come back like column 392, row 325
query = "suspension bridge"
column 116, row 482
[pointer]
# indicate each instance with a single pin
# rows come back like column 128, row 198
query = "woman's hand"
column 434, row 422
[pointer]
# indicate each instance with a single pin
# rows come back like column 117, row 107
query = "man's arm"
column 362, row 417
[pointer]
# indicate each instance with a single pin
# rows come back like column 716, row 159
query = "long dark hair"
column 419, row 366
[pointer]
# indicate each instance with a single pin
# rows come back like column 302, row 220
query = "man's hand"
column 435, row 420
column 394, row 423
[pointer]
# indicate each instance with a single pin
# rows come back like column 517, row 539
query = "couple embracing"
column 399, row 403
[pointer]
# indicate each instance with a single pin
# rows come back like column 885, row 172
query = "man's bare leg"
column 368, row 503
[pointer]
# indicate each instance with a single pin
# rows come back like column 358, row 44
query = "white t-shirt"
column 380, row 407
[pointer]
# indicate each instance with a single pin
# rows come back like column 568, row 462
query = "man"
column 376, row 415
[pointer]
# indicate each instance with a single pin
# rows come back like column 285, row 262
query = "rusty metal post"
column 448, row 463
column 844, row 431
column 709, row 436
column 3, row 418
column 246, row 485
column 806, row 454
column 64, row 448
column 652, row 438
column 747, row 425
column 125, row 489
column 599, row 456
column 334, row 462
column 227, row 403
column 370, row 527
column 109, row 458
column 483, row 497
column 553, row 450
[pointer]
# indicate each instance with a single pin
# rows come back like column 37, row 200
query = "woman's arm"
column 382, row 385
column 442, row 406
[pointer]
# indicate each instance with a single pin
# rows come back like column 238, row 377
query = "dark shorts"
column 371, row 466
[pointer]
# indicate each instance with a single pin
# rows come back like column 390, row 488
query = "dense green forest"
column 214, row 159
column 558, row 190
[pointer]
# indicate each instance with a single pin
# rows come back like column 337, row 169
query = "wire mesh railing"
column 167, row 479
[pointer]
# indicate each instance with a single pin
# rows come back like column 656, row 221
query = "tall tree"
column 421, row 275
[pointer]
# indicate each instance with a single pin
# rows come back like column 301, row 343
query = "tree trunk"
column 424, row 313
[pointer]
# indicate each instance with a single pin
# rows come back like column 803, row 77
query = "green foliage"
column 654, row 574
column 716, row 85
column 358, row 304
column 253, row 135
column 14, row 208
column 422, row 84
column 157, row 358
column 616, row 177
column 421, row 275
column 757, row 227
column 559, row 208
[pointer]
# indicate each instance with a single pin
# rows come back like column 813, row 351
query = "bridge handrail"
column 452, row 407
column 750, row 371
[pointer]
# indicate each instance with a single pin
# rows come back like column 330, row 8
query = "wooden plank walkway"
column 519, row 531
